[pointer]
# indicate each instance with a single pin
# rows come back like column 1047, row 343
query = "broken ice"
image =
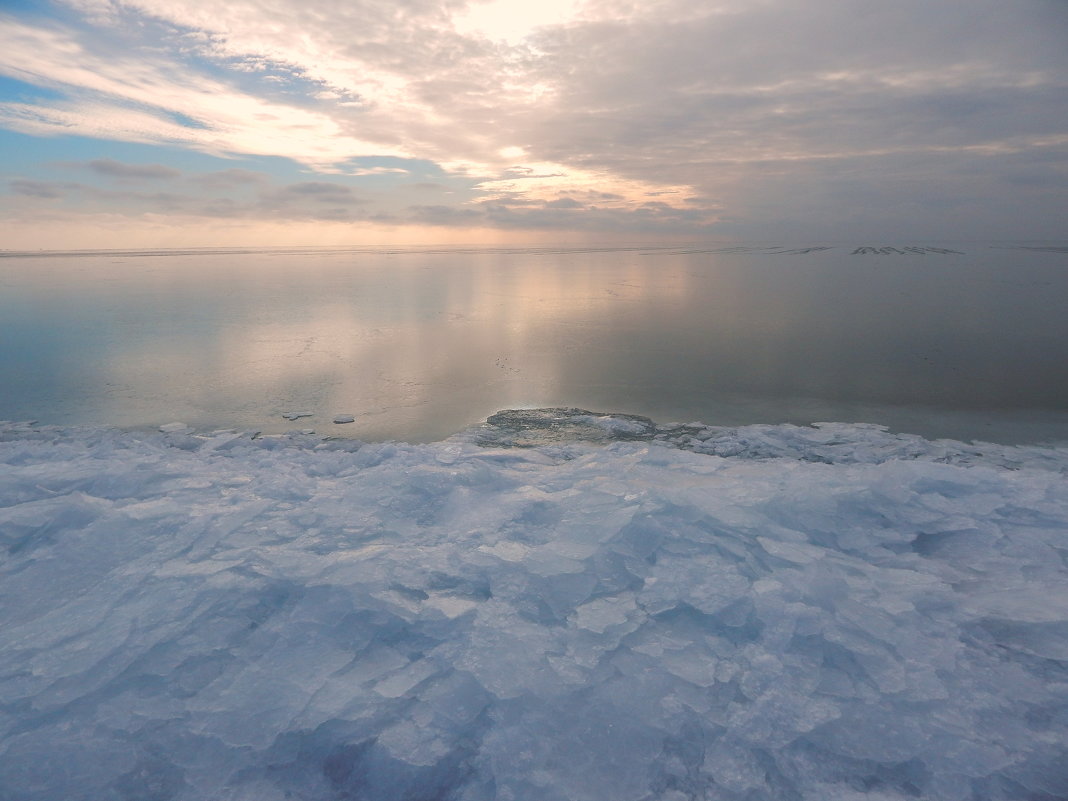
column 614, row 611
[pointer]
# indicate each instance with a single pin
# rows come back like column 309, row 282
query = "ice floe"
column 175, row 428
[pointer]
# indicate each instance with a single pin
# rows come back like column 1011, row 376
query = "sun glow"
column 549, row 182
column 512, row 22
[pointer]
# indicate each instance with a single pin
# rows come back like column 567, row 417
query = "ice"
column 618, row 425
column 344, row 418
column 175, row 428
column 611, row 610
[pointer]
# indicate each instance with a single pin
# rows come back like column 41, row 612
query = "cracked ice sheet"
column 770, row 613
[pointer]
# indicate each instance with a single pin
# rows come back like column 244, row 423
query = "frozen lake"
column 959, row 340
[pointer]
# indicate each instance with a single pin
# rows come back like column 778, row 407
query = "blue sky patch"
column 13, row 90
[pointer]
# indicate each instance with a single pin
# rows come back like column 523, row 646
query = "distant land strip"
column 912, row 249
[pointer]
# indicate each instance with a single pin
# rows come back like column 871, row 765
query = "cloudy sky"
column 130, row 123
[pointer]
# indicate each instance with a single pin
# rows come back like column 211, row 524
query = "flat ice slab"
column 624, row 612
column 344, row 418
column 175, row 428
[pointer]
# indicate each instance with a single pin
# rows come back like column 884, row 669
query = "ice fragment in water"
column 175, row 428
column 344, row 418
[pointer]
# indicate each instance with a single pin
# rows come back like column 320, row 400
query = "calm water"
column 416, row 345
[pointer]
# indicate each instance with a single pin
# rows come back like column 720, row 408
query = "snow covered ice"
column 615, row 610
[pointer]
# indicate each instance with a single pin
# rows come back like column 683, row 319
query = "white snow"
column 672, row 612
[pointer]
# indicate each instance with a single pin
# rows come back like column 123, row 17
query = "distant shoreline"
column 917, row 247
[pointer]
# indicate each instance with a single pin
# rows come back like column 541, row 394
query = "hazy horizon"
column 419, row 343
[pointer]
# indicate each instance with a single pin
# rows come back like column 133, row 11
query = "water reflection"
column 418, row 345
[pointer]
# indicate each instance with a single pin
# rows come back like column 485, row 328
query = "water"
column 419, row 344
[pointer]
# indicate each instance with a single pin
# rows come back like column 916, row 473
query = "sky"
column 165, row 123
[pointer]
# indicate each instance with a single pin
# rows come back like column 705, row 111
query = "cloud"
column 733, row 113
column 303, row 200
column 48, row 190
column 147, row 99
column 564, row 214
column 319, row 190
column 511, row 22
column 310, row 200
column 563, row 203
column 378, row 171
column 116, row 169
column 229, row 178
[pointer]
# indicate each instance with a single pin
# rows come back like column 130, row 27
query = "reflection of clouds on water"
column 419, row 344
column 391, row 339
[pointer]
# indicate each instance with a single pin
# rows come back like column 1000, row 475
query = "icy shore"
column 614, row 611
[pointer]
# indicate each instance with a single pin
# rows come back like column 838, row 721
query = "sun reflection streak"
column 394, row 337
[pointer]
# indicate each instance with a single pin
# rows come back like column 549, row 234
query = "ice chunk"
column 344, row 418
column 527, row 427
column 618, row 425
column 175, row 428
column 404, row 680
column 602, row 613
